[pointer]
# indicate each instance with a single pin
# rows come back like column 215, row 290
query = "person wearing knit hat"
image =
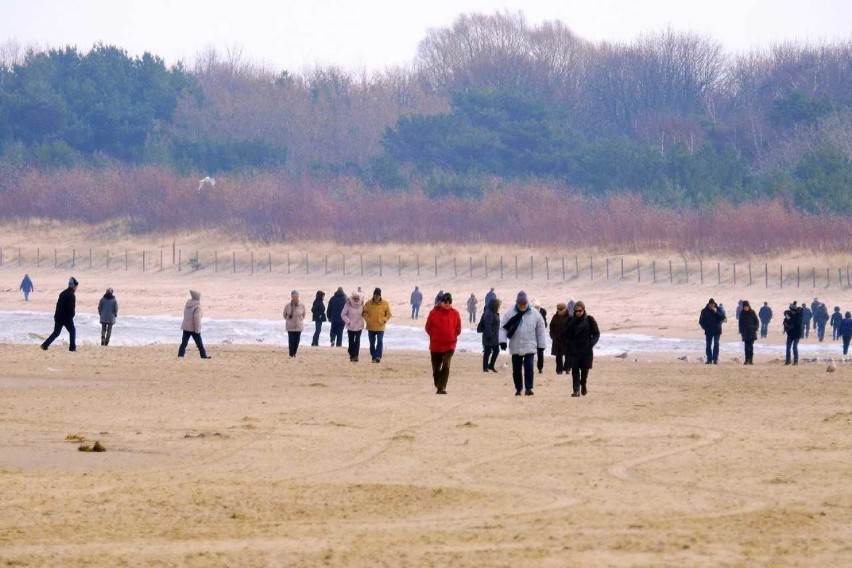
column 749, row 325
column 294, row 322
column 581, row 335
column 63, row 316
column 416, row 300
column 711, row 320
column 443, row 325
column 376, row 314
column 353, row 317
column 318, row 316
column 522, row 332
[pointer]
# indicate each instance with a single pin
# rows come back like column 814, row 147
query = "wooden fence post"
column 531, row 267
column 577, row 265
column 607, row 268
column 735, row 274
column 701, row 270
column 38, row 257
column 418, row 265
column 813, row 277
column 269, row 259
column 653, row 271
column 455, row 268
column 308, row 264
column 591, row 269
column 671, row 274
column 325, row 263
column 501, row 267
column 161, row 260
column 399, row 265
column 719, row 272
column 252, row 262
column 749, row 273
column 233, row 260
column 622, row 268
column 470, row 260
column 516, row 267
column 107, row 260
column 686, row 270
column 90, row 258
column 126, row 263
column 73, row 258
column 486, row 266
column 827, row 277
column 288, row 263
column 381, row 268
column 55, row 258
column 781, row 276
column 563, row 268
column 215, row 260
column 766, row 274
column 344, row 265
column 546, row 268
column 638, row 271
column 180, row 260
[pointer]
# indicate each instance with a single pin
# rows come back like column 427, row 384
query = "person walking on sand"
column 557, row 336
column 581, row 336
column 416, row 300
column 522, row 332
column 836, row 320
column 443, row 325
column 821, row 318
column 294, row 322
column 471, row 308
column 807, row 316
column 335, row 308
column 748, row 325
column 376, row 314
column 318, row 316
column 191, row 325
column 765, row 315
column 107, row 311
column 27, row 287
column 846, row 331
column 353, row 318
column 793, row 328
column 489, row 327
column 490, row 296
column 711, row 320
column 63, row 316
column 539, row 356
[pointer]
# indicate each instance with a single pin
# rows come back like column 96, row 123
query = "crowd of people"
column 522, row 329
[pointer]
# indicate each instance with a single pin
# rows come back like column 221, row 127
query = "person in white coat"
column 294, row 322
column 522, row 330
column 353, row 319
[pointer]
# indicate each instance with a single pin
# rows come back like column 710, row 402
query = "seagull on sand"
column 831, row 367
column 621, row 356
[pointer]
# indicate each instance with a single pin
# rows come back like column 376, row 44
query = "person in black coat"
column 581, row 335
column 318, row 316
column 711, row 320
column 490, row 329
column 66, row 307
column 793, row 328
column 749, row 325
column 335, row 308
column 765, row 315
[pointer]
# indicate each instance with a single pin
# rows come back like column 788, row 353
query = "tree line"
column 490, row 100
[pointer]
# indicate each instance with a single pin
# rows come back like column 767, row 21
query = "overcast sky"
column 373, row 34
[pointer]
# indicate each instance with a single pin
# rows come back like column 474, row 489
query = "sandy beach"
column 255, row 459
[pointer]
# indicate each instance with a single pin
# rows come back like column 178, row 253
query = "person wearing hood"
column 438, row 297
column 416, row 300
column 489, row 327
column 793, row 328
column 490, row 296
column 836, row 320
column 749, row 324
column 846, row 331
column 711, row 320
column 63, row 316
column 472, row 302
column 107, row 311
column 377, row 312
column 821, row 318
column 581, row 335
column 318, row 316
column 557, row 336
column 335, row 308
column 807, row 316
column 443, row 325
column 294, row 322
column 522, row 332
column 26, row 287
column 539, row 356
column 353, row 318
column 191, row 325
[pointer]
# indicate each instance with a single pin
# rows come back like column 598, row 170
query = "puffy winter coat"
column 443, row 326
column 192, row 313
column 581, row 335
column 846, row 327
column 749, row 325
column 318, row 308
column 294, row 316
column 353, row 314
column 530, row 335
column 108, row 309
column 335, row 307
column 66, row 306
column 490, row 326
column 711, row 322
column 416, row 298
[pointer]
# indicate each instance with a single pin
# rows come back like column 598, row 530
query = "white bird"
column 621, row 356
column 207, row 181
column 831, row 367
column 684, row 358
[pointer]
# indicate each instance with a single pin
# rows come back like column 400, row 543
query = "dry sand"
column 255, row 459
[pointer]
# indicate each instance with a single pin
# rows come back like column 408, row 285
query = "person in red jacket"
column 443, row 326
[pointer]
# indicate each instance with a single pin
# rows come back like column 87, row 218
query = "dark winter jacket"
column 543, row 313
column 807, row 314
column 557, row 333
column 318, row 308
column 793, row 323
column 749, row 325
column 836, row 318
column 66, row 306
column 490, row 327
column 846, row 326
column 335, row 306
column 765, row 314
column 581, row 335
column 711, row 322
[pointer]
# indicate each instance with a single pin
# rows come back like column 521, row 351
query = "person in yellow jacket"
column 376, row 314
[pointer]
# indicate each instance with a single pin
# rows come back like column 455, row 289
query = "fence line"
column 615, row 269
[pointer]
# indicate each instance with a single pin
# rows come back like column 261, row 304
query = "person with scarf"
column 522, row 332
column 581, row 336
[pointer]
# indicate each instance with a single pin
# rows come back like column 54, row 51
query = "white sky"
column 373, row 34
